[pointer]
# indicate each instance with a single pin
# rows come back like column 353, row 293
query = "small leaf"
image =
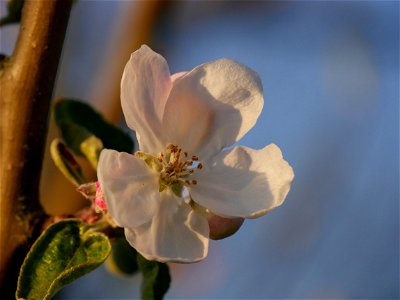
column 66, row 163
column 78, row 121
column 156, row 278
column 122, row 260
column 64, row 252
column 73, row 135
column 91, row 148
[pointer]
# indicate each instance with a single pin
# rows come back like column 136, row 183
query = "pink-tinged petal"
column 99, row 199
column 243, row 182
column 130, row 188
column 145, row 87
column 176, row 76
column 212, row 107
column 177, row 233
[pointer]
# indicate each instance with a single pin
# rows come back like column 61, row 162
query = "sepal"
column 122, row 260
column 156, row 278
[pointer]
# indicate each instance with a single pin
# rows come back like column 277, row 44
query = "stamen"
column 174, row 166
column 139, row 154
column 160, row 156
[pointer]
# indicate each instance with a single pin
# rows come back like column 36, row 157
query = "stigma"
column 174, row 167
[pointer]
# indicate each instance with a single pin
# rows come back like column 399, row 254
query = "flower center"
column 174, row 167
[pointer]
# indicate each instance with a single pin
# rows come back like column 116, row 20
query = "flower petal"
column 177, row 233
column 212, row 107
column 177, row 76
column 243, row 182
column 145, row 87
column 130, row 188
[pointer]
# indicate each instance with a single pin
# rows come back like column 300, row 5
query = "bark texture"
column 26, row 84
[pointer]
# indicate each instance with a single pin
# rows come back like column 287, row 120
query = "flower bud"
column 99, row 200
column 88, row 190
column 95, row 194
column 221, row 227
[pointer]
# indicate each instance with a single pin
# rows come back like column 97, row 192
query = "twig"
column 26, row 85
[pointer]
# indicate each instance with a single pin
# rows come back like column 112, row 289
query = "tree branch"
column 26, row 85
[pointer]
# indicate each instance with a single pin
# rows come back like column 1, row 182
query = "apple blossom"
column 164, row 194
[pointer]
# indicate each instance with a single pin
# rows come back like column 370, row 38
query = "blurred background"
column 330, row 72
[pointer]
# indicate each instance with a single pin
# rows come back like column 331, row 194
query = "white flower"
column 162, row 194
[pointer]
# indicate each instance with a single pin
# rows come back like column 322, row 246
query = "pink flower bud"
column 99, row 199
column 88, row 190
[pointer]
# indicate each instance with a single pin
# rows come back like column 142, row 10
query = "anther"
column 139, row 154
column 160, row 157
column 173, row 167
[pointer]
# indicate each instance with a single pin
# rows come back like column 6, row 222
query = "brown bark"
column 26, row 85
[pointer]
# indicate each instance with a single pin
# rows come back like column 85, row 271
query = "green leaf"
column 156, row 278
column 64, row 252
column 66, row 163
column 79, row 122
column 91, row 148
column 14, row 8
column 122, row 260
